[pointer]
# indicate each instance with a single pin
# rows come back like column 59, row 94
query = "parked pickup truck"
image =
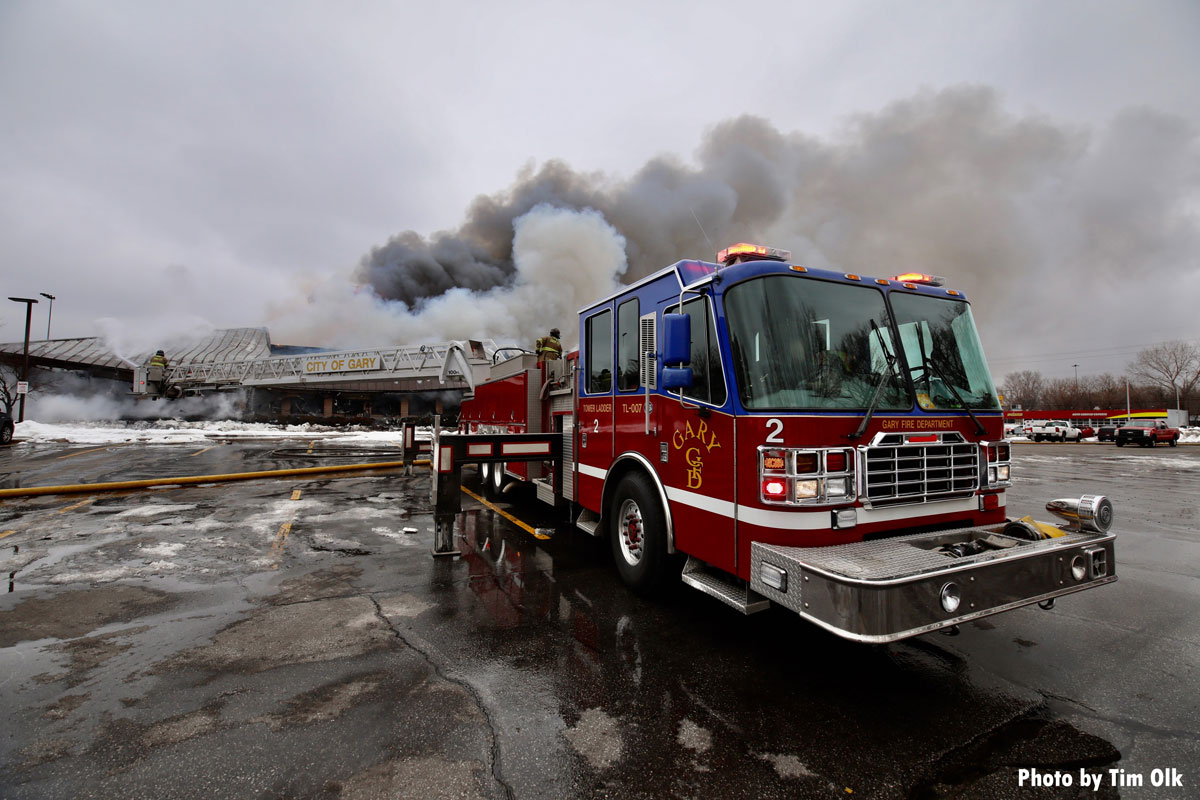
column 1054, row 430
column 1108, row 431
column 1147, row 433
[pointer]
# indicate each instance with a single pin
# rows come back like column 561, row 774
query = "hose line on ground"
column 115, row 486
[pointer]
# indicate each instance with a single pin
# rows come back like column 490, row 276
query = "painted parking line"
column 281, row 536
column 524, row 526
column 6, row 534
column 84, row 452
column 198, row 452
column 80, row 504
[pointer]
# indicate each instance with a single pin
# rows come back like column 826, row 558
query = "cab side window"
column 628, row 361
column 708, row 377
column 598, row 352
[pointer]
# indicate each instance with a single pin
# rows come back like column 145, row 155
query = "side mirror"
column 677, row 341
column 676, row 378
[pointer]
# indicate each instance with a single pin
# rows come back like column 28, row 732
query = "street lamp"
column 28, row 301
column 49, row 315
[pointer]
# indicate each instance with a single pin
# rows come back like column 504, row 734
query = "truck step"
column 545, row 490
column 728, row 590
column 588, row 522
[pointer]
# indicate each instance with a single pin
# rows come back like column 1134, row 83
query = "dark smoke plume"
column 944, row 182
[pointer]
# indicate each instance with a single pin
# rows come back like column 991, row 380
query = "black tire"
column 6, row 434
column 1062, row 437
column 1120, row 442
column 638, row 531
column 1175, row 442
column 493, row 488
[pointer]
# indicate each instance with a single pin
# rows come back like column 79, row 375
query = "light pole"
column 49, row 315
column 1076, row 366
column 28, row 301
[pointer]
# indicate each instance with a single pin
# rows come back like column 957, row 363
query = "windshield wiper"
column 891, row 371
column 928, row 365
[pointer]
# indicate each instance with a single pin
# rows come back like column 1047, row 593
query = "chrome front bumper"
column 891, row 589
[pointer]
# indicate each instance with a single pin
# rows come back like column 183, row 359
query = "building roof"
column 94, row 354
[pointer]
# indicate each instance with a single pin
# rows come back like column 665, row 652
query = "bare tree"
column 9, row 375
column 1023, row 388
column 1059, row 394
column 1170, row 366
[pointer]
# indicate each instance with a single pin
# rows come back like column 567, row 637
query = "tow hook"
column 1046, row 605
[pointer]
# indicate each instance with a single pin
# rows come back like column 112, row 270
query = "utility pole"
column 1074, row 365
column 28, row 301
column 50, row 315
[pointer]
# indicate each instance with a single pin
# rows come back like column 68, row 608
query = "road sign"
column 22, row 387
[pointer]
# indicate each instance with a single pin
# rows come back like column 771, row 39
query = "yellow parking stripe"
column 81, row 503
column 281, row 537
column 6, row 533
column 84, row 452
column 506, row 515
column 198, row 452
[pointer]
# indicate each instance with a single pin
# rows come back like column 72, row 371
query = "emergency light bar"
column 918, row 277
column 731, row 254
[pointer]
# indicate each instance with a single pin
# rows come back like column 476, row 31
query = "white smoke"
column 564, row 259
column 77, row 408
column 135, row 340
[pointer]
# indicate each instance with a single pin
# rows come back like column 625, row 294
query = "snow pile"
column 176, row 432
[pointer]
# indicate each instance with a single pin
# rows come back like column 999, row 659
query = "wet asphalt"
column 296, row 638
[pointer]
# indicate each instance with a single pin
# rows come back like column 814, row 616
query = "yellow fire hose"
column 78, row 488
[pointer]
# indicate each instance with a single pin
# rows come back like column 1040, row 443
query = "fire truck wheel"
column 485, row 476
column 495, row 481
column 639, row 539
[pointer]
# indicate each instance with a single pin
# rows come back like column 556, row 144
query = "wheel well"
column 635, row 463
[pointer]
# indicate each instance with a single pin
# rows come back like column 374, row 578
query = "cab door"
column 594, row 436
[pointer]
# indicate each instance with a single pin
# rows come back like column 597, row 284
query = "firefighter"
column 159, row 359
column 549, row 348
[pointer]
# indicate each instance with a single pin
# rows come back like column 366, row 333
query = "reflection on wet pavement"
column 165, row 639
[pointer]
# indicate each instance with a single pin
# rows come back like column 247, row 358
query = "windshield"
column 943, row 352
column 801, row 343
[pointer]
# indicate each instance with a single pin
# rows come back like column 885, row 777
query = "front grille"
column 896, row 472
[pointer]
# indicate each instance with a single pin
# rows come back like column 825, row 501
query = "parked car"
column 1108, row 433
column 1055, row 430
column 1147, row 433
column 6, row 427
column 1086, row 431
column 1016, row 428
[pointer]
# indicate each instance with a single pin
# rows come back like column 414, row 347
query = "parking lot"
column 296, row 638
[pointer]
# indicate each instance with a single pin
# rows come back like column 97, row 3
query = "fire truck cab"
column 830, row 442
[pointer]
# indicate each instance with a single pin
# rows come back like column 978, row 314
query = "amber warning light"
column 742, row 251
column 920, row 277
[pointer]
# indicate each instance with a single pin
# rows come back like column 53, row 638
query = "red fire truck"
column 829, row 442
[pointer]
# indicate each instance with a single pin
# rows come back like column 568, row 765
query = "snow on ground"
column 175, row 432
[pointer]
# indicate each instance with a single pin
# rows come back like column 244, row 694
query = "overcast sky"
column 188, row 163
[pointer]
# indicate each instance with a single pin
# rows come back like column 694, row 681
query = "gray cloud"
column 1022, row 212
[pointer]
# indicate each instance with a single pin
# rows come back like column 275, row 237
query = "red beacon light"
column 920, row 277
column 743, row 251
